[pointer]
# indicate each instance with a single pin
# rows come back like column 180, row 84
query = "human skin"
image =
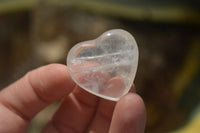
column 79, row 111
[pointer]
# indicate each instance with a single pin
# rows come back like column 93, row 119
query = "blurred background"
column 34, row 33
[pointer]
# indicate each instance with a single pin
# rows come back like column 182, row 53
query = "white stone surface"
column 106, row 66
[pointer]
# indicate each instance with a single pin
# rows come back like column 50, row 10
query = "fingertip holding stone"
column 106, row 66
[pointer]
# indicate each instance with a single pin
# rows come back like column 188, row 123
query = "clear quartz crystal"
column 106, row 66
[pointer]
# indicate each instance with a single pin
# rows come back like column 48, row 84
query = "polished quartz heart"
column 106, row 66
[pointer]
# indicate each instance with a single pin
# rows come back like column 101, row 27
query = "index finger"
column 22, row 100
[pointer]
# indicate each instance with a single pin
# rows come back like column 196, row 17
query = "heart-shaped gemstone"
column 106, row 66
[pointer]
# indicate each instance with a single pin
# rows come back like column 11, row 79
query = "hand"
column 79, row 111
